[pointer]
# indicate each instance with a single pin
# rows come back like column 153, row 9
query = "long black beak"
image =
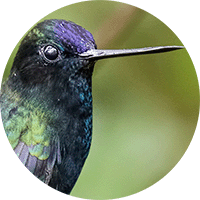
column 97, row 54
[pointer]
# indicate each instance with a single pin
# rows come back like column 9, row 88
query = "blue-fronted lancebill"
column 46, row 102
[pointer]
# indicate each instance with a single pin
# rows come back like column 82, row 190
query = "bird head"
column 51, row 49
column 59, row 51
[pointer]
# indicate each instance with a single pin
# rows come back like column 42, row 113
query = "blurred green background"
column 145, row 107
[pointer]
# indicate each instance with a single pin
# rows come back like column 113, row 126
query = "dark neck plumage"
column 70, row 94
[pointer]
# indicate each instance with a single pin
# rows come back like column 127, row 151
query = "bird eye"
column 51, row 53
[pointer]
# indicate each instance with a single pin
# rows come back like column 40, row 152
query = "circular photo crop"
column 99, row 100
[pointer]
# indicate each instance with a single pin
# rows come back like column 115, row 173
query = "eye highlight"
column 50, row 53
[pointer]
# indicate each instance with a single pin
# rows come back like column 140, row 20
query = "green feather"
column 28, row 124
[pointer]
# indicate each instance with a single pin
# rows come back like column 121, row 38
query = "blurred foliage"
column 145, row 107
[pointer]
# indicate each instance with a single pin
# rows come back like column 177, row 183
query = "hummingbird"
column 46, row 102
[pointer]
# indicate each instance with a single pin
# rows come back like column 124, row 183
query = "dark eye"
column 51, row 53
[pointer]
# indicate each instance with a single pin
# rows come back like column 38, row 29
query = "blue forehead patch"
column 73, row 36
